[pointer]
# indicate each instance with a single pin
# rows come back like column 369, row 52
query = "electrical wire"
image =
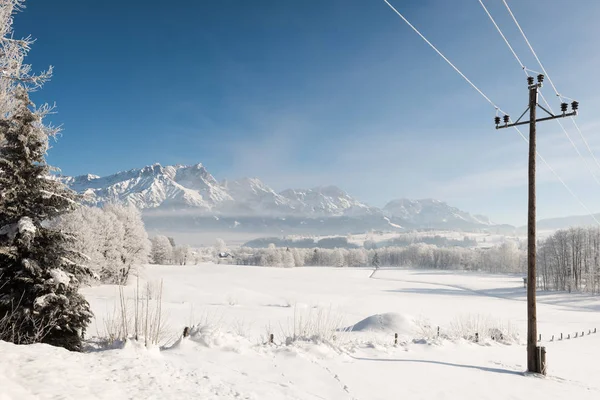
column 444, row 57
column 504, row 37
column 550, row 80
column 590, row 169
column 493, row 104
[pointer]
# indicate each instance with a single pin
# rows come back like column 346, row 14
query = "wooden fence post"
column 271, row 337
column 186, row 331
column 561, row 336
column 438, row 332
column 395, row 338
column 542, row 359
column 476, row 337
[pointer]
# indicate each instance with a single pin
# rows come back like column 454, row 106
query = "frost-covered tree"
column 288, row 258
column 135, row 245
column 86, row 226
column 299, row 257
column 161, row 251
column 40, row 275
column 13, row 71
column 181, row 254
column 113, row 239
column 338, row 258
column 220, row 246
column 274, row 256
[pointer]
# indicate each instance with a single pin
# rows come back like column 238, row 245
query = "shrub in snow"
column 314, row 325
column 40, row 275
column 139, row 318
column 482, row 328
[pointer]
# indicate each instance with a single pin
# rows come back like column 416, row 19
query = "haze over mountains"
column 190, row 198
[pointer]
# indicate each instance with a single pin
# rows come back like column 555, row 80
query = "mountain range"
column 189, row 196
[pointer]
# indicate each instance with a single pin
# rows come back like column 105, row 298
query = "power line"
column 529, row 44
column 560, row 179
column 504, row 37
column 550, row 80
column 590, row 169
column 492, row 103
column 444, row 57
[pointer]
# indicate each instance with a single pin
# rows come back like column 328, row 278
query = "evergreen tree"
column 38, row 274
column 376, row 263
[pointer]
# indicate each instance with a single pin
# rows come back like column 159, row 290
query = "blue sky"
column 309, row 93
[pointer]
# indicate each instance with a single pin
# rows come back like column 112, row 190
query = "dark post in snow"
column 534, row 354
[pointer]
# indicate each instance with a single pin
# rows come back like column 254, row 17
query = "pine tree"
column 39, row 276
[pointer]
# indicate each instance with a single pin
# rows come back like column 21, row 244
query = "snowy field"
column 238, row 307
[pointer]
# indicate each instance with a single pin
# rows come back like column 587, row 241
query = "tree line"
column 507, row 257
column 568, row 260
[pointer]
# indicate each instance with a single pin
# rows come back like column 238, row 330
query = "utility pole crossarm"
column 535, row 86
column 571, row 114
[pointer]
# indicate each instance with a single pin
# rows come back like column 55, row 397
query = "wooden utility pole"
column 532, row 361
column 536, row 358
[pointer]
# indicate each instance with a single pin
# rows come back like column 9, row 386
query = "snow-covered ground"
column 238, row 307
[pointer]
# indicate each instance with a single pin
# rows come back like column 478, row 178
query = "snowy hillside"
column 250, row 204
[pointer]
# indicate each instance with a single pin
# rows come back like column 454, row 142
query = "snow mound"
column 388, row 322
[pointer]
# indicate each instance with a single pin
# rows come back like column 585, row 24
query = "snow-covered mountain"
column 327, row 201
column 430, row 212
column 194, row 190
column 153, row 186
column 185, row 187
column 252, row 196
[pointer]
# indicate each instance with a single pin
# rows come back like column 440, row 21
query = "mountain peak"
column 193, row 187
